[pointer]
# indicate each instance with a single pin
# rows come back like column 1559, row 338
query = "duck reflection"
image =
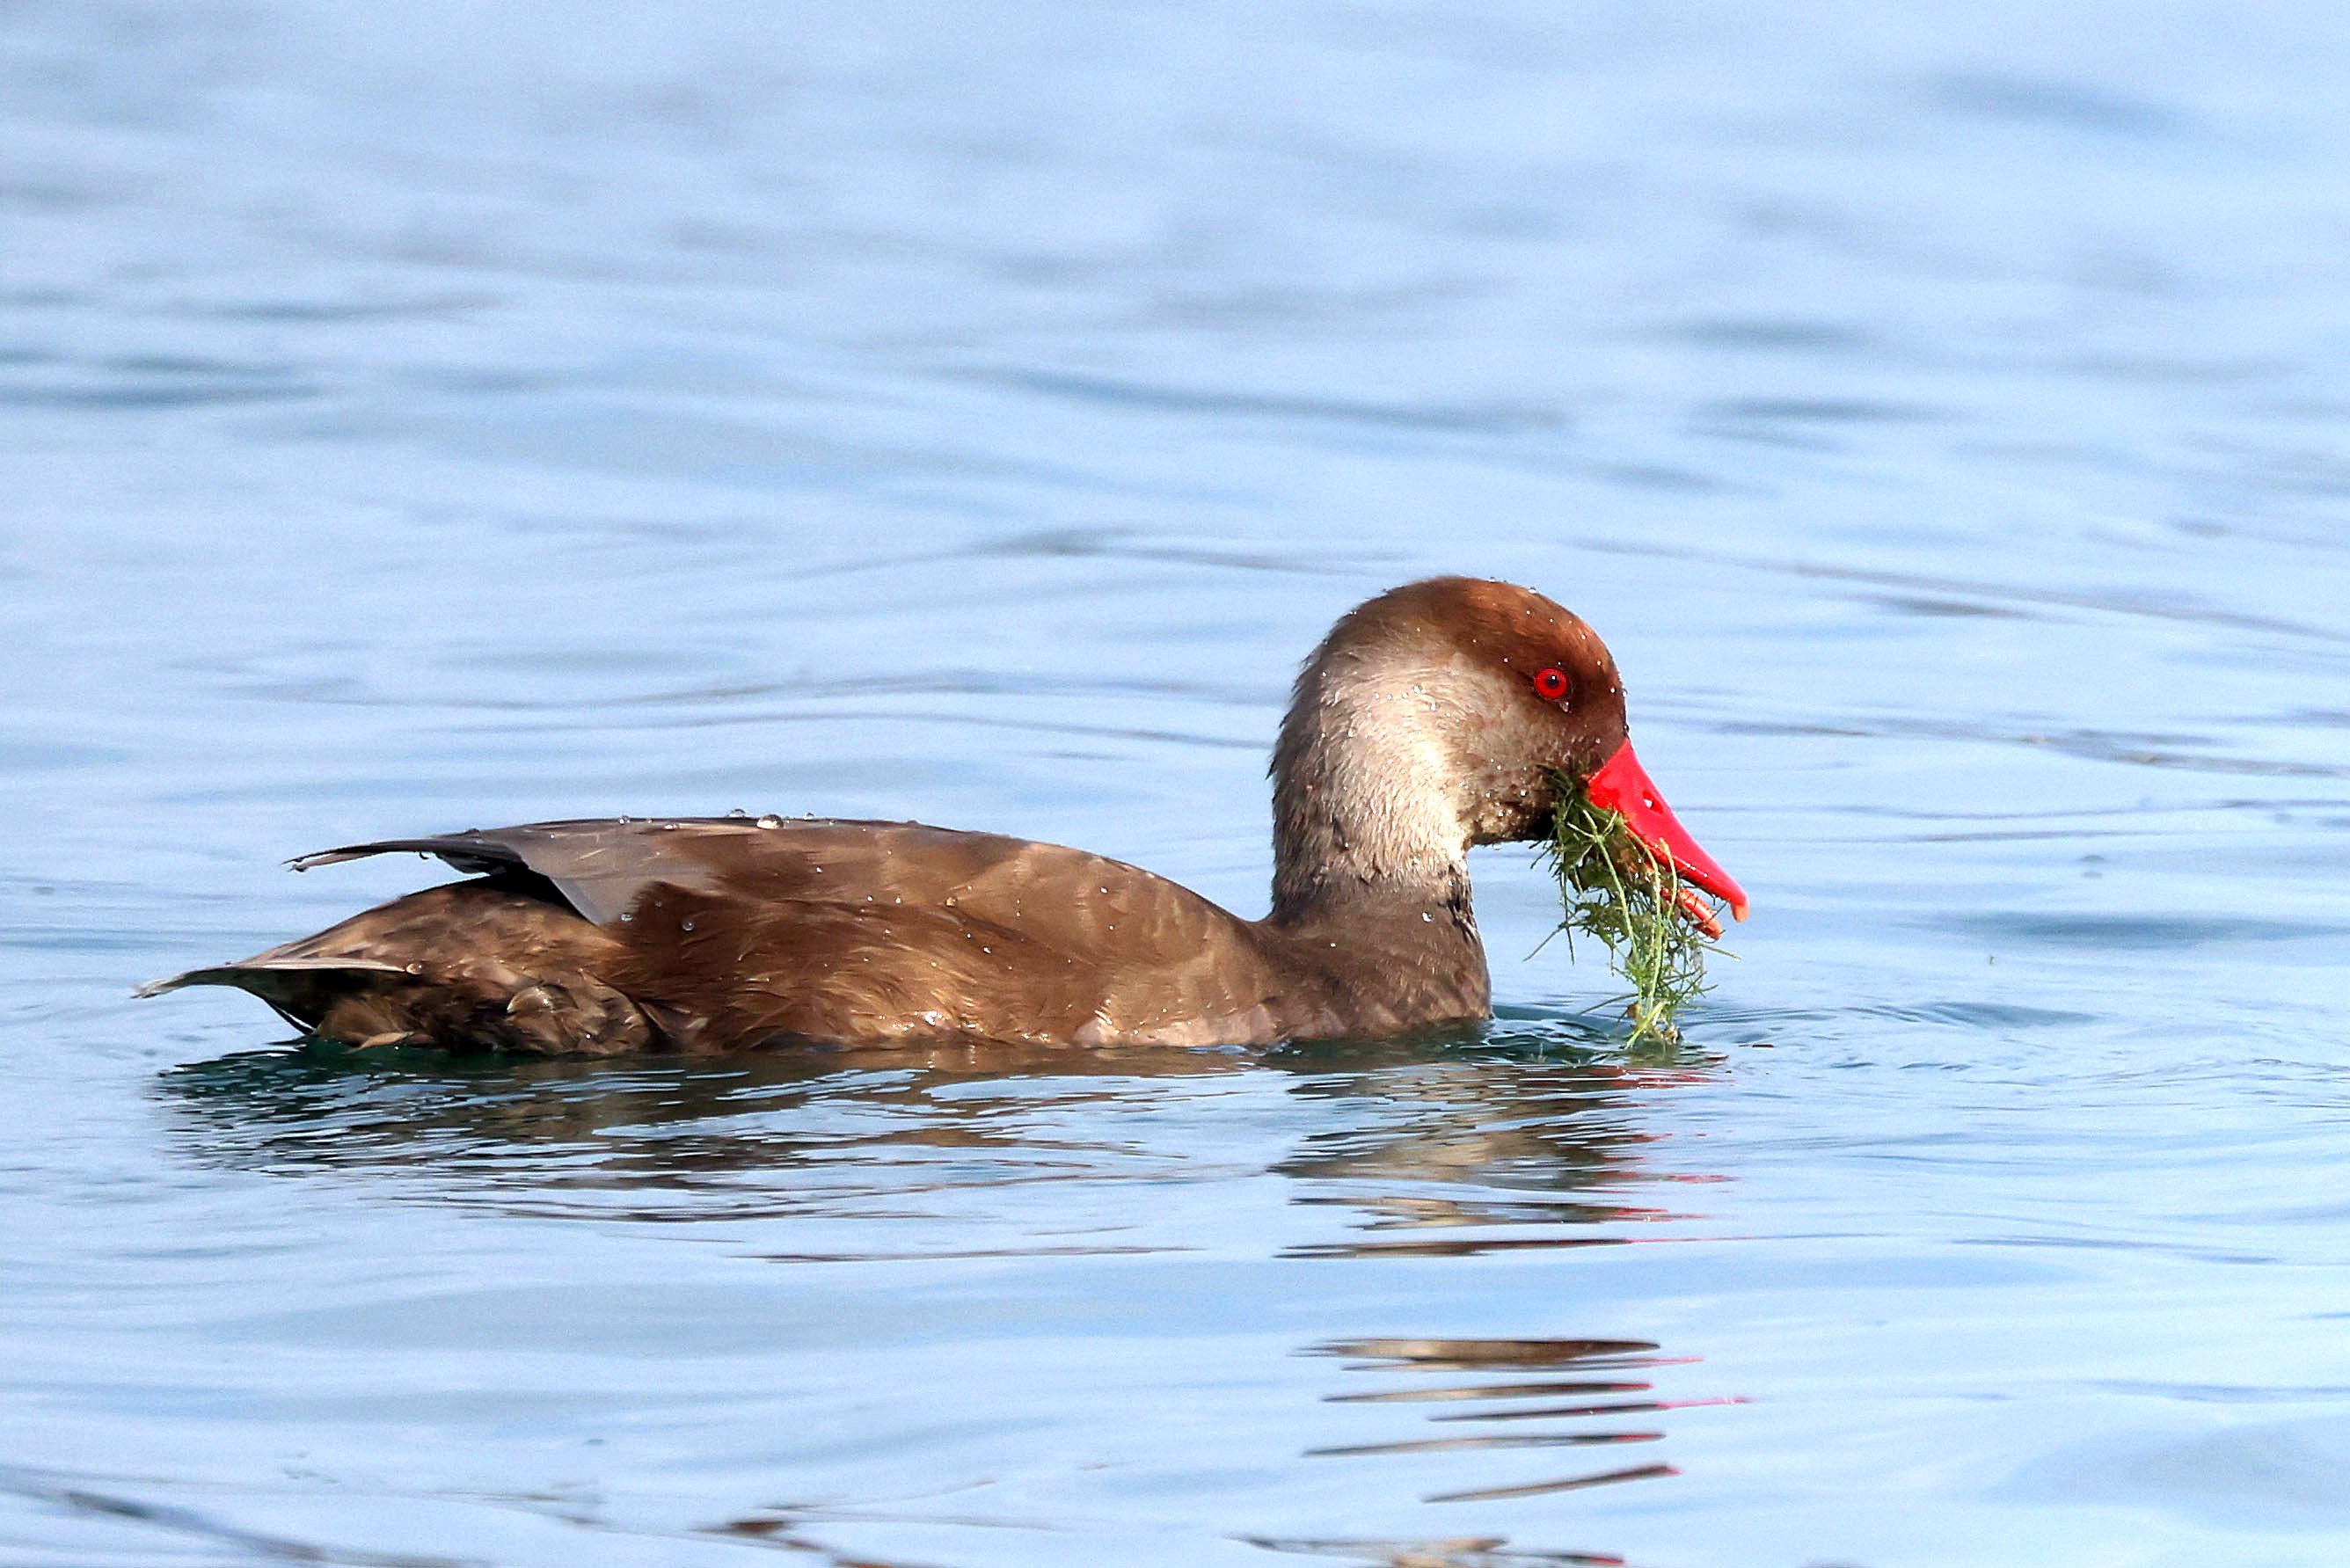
column 1524, row 1152
column 1503, row 1136
column 1572, row 1380
column 1446, row 1106
column 1463, row 1552
column 761, row 1135
column 1466, row 1143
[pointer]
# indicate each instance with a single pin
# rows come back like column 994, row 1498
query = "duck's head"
column 1453, row 712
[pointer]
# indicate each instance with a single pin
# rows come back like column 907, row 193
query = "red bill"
column 1622, row 784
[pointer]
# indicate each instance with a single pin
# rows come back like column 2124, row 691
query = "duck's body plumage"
column 737, row 931
column 1413, row 736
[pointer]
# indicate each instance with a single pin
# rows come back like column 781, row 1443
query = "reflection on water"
column 108, row 1501
column 1525, row 1155
column 1575, row 1362
column 1465, row 1552
column 767, row 1135
column 792, row 1131
column 1506, row 1140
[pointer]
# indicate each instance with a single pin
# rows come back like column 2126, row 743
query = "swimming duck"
column 1438, row 716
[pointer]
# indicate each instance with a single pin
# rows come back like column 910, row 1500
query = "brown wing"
column 732, row 930
column 600, row 866
column 480, row 965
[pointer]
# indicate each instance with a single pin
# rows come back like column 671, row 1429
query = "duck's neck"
column 1367, row 819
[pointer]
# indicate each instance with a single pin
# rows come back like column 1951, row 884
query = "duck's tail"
column 480, row 965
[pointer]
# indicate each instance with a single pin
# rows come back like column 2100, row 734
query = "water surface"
column 418, row 417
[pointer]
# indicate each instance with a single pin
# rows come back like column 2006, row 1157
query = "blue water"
column 429, row 415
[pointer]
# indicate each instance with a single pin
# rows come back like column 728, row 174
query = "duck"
column 1438, row 716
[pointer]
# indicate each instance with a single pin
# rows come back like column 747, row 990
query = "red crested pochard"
column 1435, row 717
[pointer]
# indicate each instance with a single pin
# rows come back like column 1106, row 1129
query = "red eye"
column 1551, row 684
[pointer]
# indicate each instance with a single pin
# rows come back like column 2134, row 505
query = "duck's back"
column 710, row 933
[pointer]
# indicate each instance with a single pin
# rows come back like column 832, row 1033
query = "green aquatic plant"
column 1654, row 925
